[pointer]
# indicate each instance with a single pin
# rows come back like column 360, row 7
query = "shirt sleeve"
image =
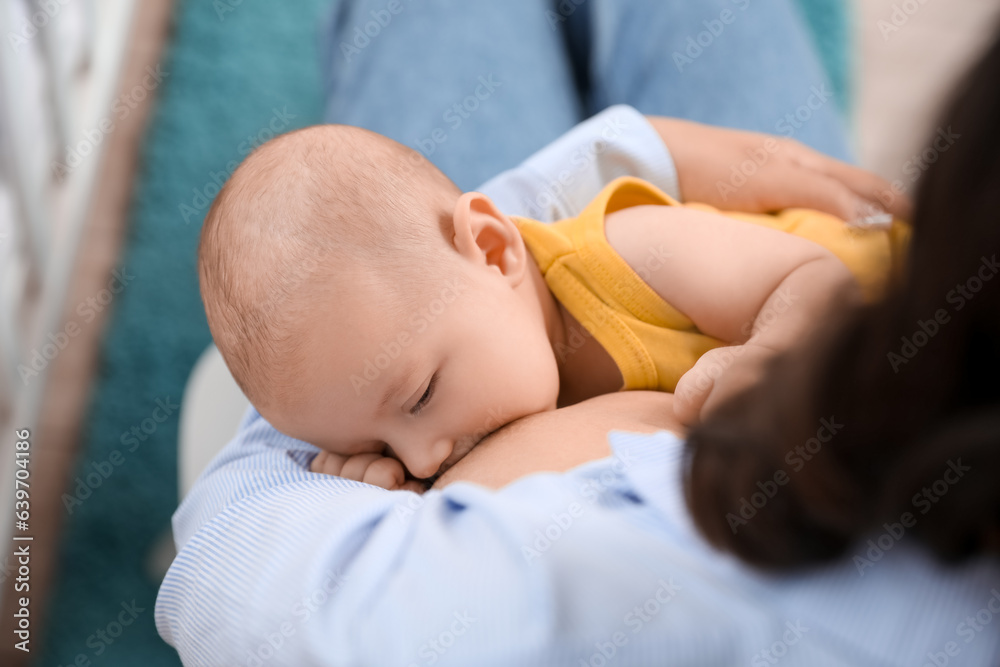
column 560, row 180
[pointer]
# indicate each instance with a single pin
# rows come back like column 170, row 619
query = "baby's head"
column 365, row 304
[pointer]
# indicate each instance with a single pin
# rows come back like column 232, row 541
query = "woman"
column 913, row 381
column 595, row 566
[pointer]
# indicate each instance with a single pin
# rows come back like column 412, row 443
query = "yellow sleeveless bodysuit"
column 653, row 343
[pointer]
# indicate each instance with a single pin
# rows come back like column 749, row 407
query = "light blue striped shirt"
column 597, row 566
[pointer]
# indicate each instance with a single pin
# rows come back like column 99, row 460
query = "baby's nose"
column 428, row 460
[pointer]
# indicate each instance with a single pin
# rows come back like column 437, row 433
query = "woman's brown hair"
column 889, row 421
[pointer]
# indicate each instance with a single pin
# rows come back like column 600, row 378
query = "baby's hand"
column 375, row 469
column 718, row 374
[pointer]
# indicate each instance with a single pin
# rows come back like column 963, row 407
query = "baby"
column 366, row 305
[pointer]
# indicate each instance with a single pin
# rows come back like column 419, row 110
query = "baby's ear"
column 488, row 238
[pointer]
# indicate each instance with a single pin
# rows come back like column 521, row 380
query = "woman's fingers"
column 690, row 394
column 717, row 376
column 870, row 188
column 812, row 189
column 758, row 173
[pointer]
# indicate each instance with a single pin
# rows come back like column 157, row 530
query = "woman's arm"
column 737, row 282
column 561, row 439
column 759, row 173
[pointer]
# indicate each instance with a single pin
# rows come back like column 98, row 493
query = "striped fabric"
column 598, row 566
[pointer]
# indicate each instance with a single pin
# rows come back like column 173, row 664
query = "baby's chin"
column 457, row 455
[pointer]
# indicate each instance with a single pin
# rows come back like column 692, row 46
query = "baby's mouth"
column 456, row 456
column 462, row 448
column 449, row 462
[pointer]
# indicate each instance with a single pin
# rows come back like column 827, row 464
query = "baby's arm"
column 737, row 282
column 375, row 469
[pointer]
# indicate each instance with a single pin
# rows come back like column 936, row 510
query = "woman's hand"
column 777, row 173
column 561, row 439
column 718, row 375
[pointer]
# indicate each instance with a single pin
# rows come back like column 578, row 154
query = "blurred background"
column 119, row 120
